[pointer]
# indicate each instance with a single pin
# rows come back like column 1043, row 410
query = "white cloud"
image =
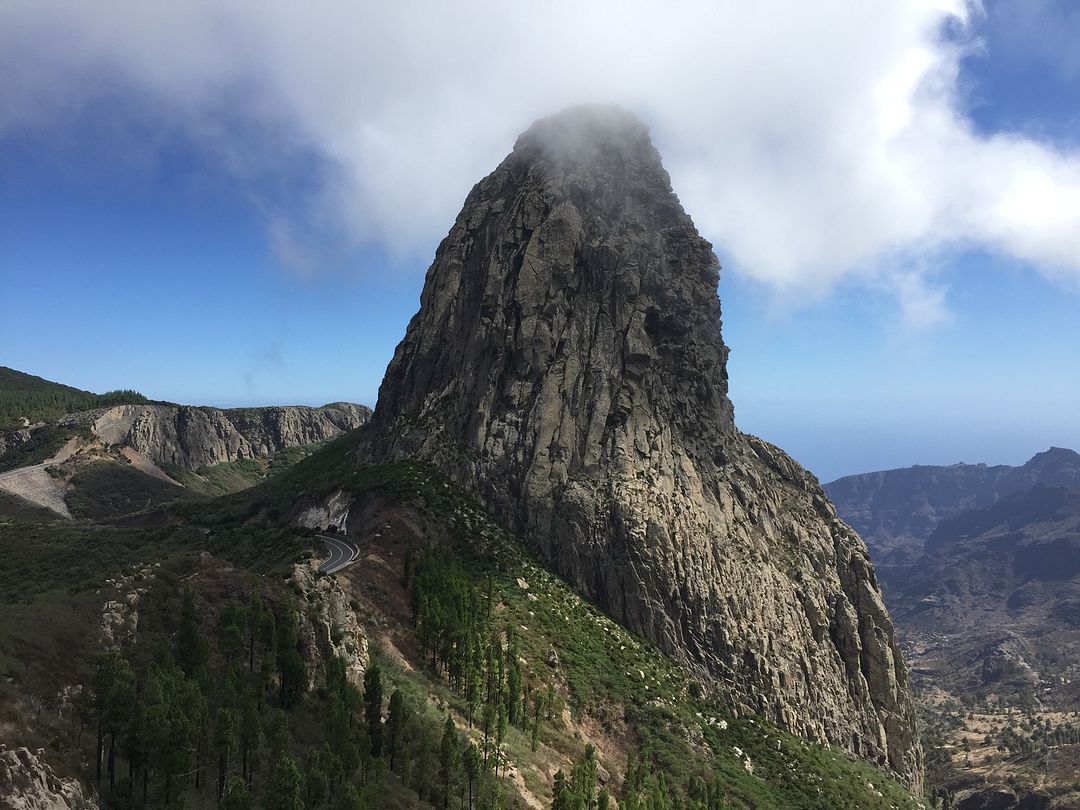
column 810, row 141
column 922, row 302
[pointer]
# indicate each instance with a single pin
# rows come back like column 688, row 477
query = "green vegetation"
column 43, row 444
column 186, row 715
column 15, row 508
column 608, row 674
column 220, row 479
column 39, row 400
column 106, row 489
column 37, row 560
column 505, row 649
column 234, row 476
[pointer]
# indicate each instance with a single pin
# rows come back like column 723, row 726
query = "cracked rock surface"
column 28, row 782
column 192, row 437
column 566, row 364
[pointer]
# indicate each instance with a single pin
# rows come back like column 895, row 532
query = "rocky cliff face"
column 566, row 363
column 28, row 782
column 13, row 438
column 192, row 437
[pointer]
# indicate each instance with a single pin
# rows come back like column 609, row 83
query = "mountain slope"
column 981, row 566
column 896, row 510
column 34, row 399
column 111, row 461
column 566, row 365
column 417, row 533
column 1004, row 583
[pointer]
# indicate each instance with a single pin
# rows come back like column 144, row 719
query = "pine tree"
column 473, row 763
column 349, row 798
column 449, row 759
column 114, row 703
column 513, row 682
column 560, row 799
column 538, row 708
column 231, row 632
column 286, row 787
column 395, row 726
column 291, row 668
column 582, row 786
column 250, row 731
column 500, row 736
column 373, row 697
column 236, row 795
column 191, row 645
column 316, row 781
column 277, row 733
column 172, row 714
column 226, row 743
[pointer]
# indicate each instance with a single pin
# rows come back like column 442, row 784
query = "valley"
column 981, row 568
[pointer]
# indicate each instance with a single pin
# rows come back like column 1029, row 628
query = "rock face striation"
column 191, row 437
column 566, row 364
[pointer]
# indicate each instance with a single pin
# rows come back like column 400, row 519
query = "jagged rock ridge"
column 566, row 363
column 191, row 437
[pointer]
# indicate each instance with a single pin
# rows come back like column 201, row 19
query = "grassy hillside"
column 39, row 400
column 447, row 599
column 107, row 489
column 15, row 508
column 606, row 674
column 235, row 476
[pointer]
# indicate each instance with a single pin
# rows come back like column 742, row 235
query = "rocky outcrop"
column 11, row 439
column 27, row 782
column 120, row 616
column 192, row 437
column 566, row 364
column 330, row 626
column 331, row 512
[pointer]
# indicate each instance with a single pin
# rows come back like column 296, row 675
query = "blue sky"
column 203, row 248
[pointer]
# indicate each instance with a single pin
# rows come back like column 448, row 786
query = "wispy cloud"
column 809, row 141
column 922, row 301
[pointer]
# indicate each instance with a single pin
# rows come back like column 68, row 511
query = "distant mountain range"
column 896, row 511
column 981, row 571
column 988, row 556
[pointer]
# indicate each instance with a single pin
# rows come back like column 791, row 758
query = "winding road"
column 342, row 554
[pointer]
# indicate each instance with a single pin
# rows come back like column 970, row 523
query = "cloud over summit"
column 810, row 142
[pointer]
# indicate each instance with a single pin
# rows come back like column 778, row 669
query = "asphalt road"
column 342, row 554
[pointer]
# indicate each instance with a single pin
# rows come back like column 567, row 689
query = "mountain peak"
column 1055, row 455
column 566, row 365
column 577, row 131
